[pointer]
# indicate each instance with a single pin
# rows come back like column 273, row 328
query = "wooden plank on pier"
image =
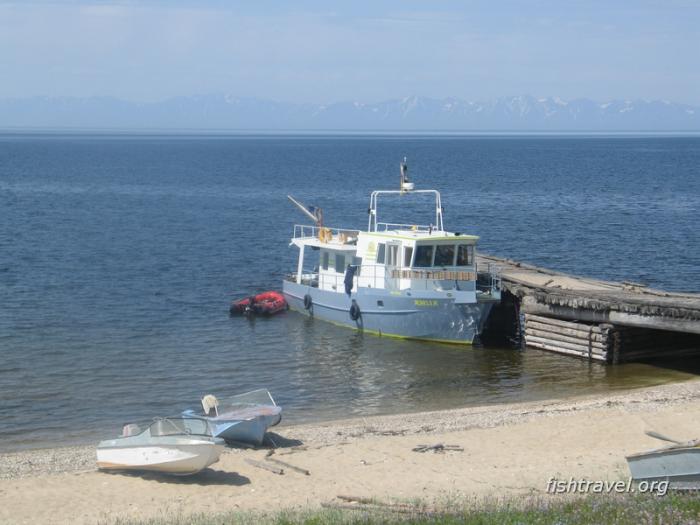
column 572, row 325
column 567, row 337
column 596, row 345
column 575, row 334
column 580, row 347
column 587, row 331
column 560, row 350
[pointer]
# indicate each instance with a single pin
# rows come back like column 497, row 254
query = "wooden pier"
column 598, row 320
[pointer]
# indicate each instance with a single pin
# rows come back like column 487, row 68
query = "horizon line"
column 109, row 131
column 538, row 98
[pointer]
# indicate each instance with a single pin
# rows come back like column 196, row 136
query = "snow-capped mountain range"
column 224, row 112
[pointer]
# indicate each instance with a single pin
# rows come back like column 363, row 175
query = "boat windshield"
column 169, row 426
column 254, row 398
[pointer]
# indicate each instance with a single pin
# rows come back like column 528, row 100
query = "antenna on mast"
column 405, row 184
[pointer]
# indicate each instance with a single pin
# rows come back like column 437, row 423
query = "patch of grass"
column 675, row 508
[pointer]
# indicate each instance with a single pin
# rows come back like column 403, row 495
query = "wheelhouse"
column 410, row 260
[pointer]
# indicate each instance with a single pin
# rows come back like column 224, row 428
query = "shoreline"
column 508, row 450
column 81, row 458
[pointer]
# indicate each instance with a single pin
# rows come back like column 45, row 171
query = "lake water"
column 119, row 256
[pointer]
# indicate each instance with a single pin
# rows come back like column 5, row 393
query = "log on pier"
column 568, row 337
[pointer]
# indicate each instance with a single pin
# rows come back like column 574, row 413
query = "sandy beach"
column 507, row 450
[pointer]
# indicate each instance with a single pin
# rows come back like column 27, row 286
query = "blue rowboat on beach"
column 243, row 418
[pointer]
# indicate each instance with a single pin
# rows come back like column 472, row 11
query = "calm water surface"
column 119, row 256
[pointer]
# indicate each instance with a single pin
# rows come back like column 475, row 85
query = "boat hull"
column 250, row 431
column 246, row 428
column 176, row 458
column 680, row 466
column 410, row 315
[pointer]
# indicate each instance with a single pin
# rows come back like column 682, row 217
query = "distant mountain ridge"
column 224, row 112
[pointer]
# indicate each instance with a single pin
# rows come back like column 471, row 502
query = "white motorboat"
column 180, row 446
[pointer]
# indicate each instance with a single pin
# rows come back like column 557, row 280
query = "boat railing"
column 433, row 279
column 387, row 226
column 393, row 278
column 335, row 281
column 488, row 281
column 377, row 276
column 341, row 235
column 371, row 275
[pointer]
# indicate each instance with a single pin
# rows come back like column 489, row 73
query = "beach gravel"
column 14, row 465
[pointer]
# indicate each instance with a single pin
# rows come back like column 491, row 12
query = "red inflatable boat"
column 266, row 303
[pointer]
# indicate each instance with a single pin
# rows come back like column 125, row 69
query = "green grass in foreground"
column 674, row 508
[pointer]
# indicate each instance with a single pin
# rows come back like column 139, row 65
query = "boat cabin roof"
column 333, row 244
column 349, row 244
column 423, row 235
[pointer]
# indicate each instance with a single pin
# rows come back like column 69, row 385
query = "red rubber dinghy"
column 266, row 303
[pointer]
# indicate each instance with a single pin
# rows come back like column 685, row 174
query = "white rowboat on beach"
column 180, row 446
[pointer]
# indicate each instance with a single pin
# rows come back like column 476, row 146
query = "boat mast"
column 405, row 187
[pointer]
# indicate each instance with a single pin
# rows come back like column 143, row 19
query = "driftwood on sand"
column 285, row 464
column 264, row 466
column 438, row 447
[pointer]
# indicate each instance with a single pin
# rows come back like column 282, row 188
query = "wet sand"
column 509, row 449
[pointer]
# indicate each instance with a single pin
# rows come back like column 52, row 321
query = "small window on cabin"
column 407, row 254
column 324, row 260
column 444, row 255
column 465, row 255
column 357, row 261
column 424, row 256
column 340, row 263
column 381, row 249
column 393, row 258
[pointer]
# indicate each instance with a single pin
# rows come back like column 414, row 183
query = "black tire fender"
column 308, row 303
column 355, row 313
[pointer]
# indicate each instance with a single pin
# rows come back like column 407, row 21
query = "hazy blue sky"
column 306, row 51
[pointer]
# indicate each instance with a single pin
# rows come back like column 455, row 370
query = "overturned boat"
column 180, row 446
column 678, row 463
column 401, row 280
column 242, row 418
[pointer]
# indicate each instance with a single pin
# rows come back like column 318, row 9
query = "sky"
column 368, row 51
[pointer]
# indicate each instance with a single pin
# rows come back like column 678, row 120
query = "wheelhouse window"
column 393, row 258
column 444, row 255
column 340, row 263
column 465, row 255
column 357, row 261
column 381, row 251
column 407, row 255
column 324, row 260
column 424, row 256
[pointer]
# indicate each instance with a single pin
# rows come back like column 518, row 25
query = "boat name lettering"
column 425, row 302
